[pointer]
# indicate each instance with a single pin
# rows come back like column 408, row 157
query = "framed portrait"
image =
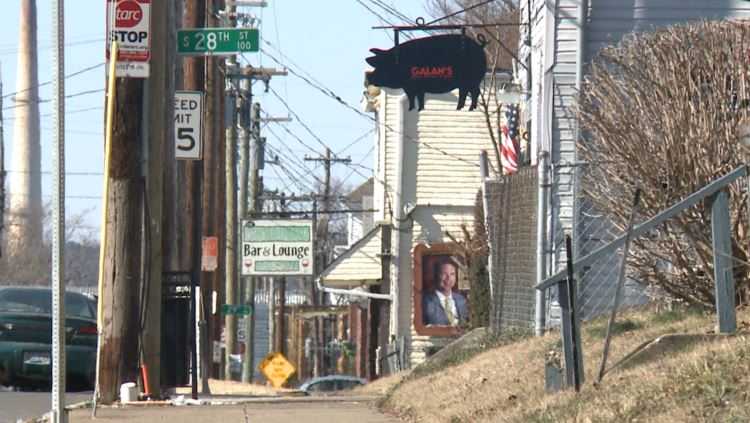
column 441, row 306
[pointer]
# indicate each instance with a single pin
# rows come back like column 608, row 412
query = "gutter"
column 352, row 292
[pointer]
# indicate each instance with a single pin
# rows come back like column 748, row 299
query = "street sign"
column 276, row 368
column 277, row 247
column 237, row 310
column 209, row 258
column 129, row 23
column 188, row 125
column 217, row 41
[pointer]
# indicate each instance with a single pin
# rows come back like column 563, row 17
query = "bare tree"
column 81, row 255
column 661, row 112
column 502, row 46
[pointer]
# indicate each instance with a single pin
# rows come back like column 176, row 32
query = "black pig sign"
column 437, row 64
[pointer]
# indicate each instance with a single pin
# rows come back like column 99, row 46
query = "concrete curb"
column 188, row 402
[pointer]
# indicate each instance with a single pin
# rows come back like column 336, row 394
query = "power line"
column 297, row 164
column 78, row 94
column 299, row 120
column 331, row 94
column 292, row 159
column 357, row 164
column 45, row 172
column 297, row 138
column 360, row 138
column 391, row 10
column 70, row 44
column 67, row 112
column 84, row 70
column 460, row 11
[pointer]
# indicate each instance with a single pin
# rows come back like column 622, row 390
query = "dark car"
column 331, row 383
column 26, row 338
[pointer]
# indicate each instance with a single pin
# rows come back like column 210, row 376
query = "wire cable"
column 459, row 12
column 84, row 70
column 87, row 92
column 299, row 120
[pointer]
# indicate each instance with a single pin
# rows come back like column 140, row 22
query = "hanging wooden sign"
column 437, row 64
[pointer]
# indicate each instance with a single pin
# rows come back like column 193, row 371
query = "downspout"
column 351, row 292
column 583, row 14
column 545, row 242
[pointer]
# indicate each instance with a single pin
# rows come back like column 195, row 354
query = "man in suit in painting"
column 442, row 306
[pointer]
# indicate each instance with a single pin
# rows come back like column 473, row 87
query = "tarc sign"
column 131, row 28
column 437, row 64
column 277, row 247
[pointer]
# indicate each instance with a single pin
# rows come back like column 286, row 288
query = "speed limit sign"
column 188, row 125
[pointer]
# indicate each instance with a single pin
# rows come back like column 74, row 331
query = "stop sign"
column 129, row 23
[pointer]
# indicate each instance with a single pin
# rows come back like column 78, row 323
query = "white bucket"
column 128, row 392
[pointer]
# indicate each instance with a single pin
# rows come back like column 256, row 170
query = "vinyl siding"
column 440, row 178
column 448, row 147
column 359, row 265
column 608, row 22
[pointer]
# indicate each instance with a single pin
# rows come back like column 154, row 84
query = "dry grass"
column 701, row 381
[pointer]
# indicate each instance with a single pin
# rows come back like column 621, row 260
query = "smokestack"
column 25, row 217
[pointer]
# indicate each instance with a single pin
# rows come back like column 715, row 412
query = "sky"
column 325, row 41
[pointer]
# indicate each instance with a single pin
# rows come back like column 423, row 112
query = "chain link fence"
column 593, row 229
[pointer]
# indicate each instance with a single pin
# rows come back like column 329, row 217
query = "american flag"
column 509, row 140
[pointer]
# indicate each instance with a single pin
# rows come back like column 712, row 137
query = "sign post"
column 282, row 247
column 188, row 125
column 217, row 41
column 129, row 23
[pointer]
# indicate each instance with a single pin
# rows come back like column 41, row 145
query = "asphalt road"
column 24, row 405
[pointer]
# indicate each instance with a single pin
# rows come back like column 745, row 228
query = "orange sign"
column 276, row 368
column 210, row 256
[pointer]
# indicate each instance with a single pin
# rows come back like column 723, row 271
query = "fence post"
column 484, row 171
column 570, row 328
column 722, row 250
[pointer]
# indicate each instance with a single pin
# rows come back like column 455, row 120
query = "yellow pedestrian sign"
column 276, row 368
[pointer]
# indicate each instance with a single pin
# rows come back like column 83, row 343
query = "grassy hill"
column 688, row 374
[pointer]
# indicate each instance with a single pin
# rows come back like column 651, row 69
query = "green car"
column 26, row 338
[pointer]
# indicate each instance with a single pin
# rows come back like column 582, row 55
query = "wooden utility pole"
column 322, row 251
column 193, row 80
column 230, row 170
column 160, row 160
column 119, row 339
column 279, row 342
column 213, row 203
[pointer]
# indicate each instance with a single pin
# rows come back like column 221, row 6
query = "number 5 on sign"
column 188, row 125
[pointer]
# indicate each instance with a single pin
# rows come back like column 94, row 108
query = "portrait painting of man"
column 442, row 303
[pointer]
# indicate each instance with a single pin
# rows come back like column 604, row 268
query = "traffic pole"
column 59, row 415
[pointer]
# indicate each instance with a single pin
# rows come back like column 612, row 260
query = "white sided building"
column 427, row 175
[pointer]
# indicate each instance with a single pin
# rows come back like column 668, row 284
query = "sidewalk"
column 248, row 403
column 248, row 410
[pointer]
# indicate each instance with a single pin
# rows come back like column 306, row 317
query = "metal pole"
column 196, row 273
column 58, row 215
column 541, row 245
column 485, row 174
column 618, row 288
